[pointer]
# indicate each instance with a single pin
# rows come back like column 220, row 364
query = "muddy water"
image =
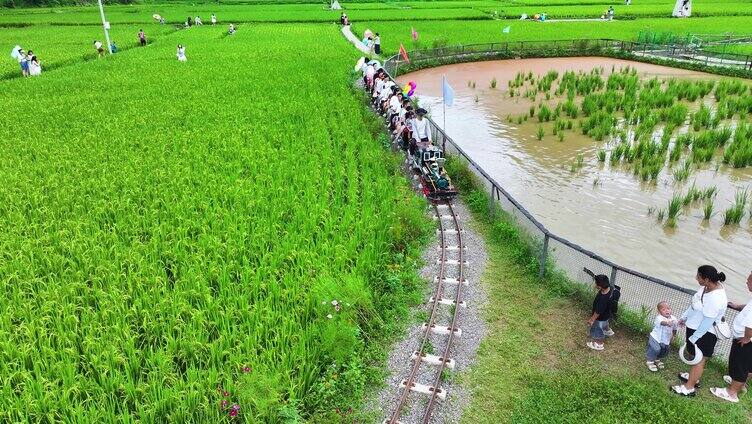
column 602, row 208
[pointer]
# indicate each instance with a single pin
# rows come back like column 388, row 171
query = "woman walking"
column 740, row 358
column 708, row 307
column 142, row 37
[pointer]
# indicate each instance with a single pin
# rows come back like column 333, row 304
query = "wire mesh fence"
column 640, row 293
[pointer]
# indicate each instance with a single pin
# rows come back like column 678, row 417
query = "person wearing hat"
column 740, row 358
column 421, row 129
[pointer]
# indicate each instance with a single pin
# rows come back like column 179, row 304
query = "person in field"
column 35, row 69
column 377, row 44
column 181, row 53
column 213, row 19
column 99, row 48
column 708, row 307
column 113, row 47
column 23, row 61
column 740, row 358
column 188, row 22
column 141, row 37
column 601, row 313
column 231, row 30
column 198, row 21
column 659, row 340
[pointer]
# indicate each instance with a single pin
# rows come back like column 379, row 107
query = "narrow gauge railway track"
column 421, row 358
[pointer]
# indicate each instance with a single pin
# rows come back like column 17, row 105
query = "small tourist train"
column 428, row 163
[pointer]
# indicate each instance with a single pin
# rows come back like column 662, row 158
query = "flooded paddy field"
column 582, row 187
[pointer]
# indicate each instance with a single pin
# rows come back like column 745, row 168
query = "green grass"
column 533, row 366
column 173, row 222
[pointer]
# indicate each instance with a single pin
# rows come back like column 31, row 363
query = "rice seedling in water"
column 681, row 173
column 578, row 163
column 674, row 210
column 544, row 114
column 540, row 133
column 532, row 111
column 601, row 155
column 493, row 82
column 661, row 215
column 560, row 136
column 734, row 214
column 707, row 210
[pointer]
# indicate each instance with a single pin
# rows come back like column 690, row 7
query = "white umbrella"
column 16, row 52
column 156, row 17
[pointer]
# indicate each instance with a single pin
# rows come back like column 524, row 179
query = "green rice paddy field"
column 178, row 238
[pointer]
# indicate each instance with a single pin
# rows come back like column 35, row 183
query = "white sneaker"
column 609, row 333
column 728, row 380
column 722, row 393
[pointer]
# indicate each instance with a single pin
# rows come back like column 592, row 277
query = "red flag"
column 414, row 33
column 403, row 53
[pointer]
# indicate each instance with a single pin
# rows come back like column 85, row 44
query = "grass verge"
column 534, row 367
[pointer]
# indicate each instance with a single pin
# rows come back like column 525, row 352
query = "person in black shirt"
column 601, row 313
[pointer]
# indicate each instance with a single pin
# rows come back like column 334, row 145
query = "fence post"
column 613, row 276
column 491, row 208
column 443, row 142
column 543, row 256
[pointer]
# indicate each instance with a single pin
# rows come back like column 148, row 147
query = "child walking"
column 664, row 330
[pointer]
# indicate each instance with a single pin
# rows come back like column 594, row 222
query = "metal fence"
column 640, row 293
column 556, row 48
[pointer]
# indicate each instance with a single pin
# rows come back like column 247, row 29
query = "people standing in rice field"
column 198, row 21
column 141, row 37
column 24, row 62
column 213, row 19
column 231, row 30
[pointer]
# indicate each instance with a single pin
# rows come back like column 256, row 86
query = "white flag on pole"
column 448, row 92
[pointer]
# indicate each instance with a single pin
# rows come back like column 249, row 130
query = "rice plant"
column 734, row 214
column 493, row 82
column 601, row 156
column 674, row 210
column 540, row 133
column 707, row 210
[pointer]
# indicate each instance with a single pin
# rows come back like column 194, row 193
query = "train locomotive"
column 428, row 163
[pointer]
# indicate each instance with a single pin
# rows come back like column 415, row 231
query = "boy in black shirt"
column 601, row 313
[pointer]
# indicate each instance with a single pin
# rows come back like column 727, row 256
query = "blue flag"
column 448, row 92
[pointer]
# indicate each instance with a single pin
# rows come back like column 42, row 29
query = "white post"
column 443, row 81
column 106, row 26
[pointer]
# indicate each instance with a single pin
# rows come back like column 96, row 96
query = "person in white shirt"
column 708, row 307
column 421, row 128
column 100, row 49
column 740, row 358
column 664, row 330
column 213, row 19
column 181, row 53
column 35, row 68
column 197, row 20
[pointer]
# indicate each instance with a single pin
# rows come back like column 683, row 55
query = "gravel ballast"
column 464, row 347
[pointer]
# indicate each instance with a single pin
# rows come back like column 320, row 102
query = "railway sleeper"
column 452, row 281
column 443, row 329
column 447, row 302
column 433, row 359
column 425, row 389
column 450, row 262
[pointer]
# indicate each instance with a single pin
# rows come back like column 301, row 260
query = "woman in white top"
column 740, row 358
column 708, row 307
column 181, row 53
column 34, row 67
